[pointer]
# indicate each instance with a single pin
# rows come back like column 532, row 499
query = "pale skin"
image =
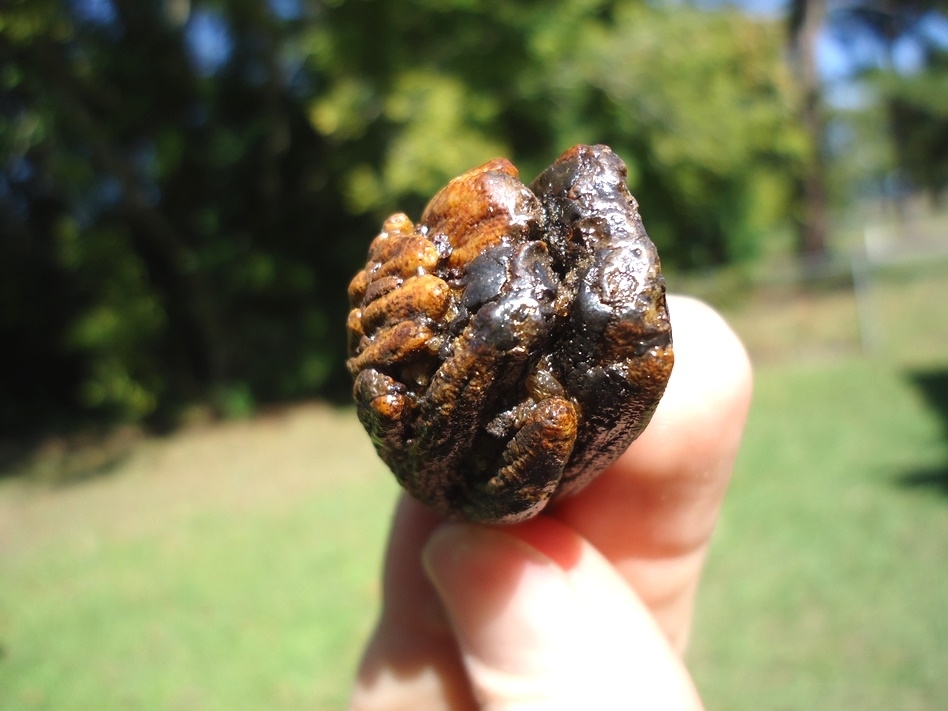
column 588, row 605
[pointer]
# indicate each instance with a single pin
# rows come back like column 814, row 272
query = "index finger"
column 652, row 513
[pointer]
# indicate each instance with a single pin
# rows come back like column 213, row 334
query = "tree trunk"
column 806, row 18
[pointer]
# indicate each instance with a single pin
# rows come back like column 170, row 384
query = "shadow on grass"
column 933, row 385
column 64, row 459
column 926, row 479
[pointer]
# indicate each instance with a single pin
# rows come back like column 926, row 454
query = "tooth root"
column 419, row 296
column 392, row 346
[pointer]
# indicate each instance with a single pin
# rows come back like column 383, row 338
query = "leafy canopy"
column 187, row 187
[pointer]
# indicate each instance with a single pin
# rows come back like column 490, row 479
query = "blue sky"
column 210, row 44
column 839, row 57
column 209, row 40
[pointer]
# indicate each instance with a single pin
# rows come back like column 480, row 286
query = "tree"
column 806, row 17
column 914, row 99
column 187, row 187
column 918, row 120
column 186, row 253
column 697, row 102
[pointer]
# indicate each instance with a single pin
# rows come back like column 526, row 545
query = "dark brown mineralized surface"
column 513, row 343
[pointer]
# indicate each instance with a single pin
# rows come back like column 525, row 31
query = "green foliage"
column 698, row 103
column 179, row 228
column 897, row 139
column 168, row 236
column 706, row 119
column 120, row 330
column 918, row 120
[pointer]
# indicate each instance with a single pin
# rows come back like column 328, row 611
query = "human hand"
column 589, row 604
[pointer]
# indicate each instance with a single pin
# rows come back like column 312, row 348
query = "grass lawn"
column 235, row 566
column 827, row 586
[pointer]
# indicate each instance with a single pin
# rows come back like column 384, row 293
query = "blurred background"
column 190, row 514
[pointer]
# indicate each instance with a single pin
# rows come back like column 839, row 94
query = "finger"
column 653, row 512
column 544, row 622
column 412, row 660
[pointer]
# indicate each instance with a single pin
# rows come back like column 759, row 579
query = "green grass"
column 197, row 596
column 827, row 586
column 222, row 613
column 236, row 566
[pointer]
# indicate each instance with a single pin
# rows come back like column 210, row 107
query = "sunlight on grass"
column 249, row 605
column 263, row 611
column 237, row 566
column 825, row 587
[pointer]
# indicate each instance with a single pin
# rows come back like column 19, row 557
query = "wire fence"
column 885, row 295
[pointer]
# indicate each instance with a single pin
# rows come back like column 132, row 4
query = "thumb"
column 544, row 622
